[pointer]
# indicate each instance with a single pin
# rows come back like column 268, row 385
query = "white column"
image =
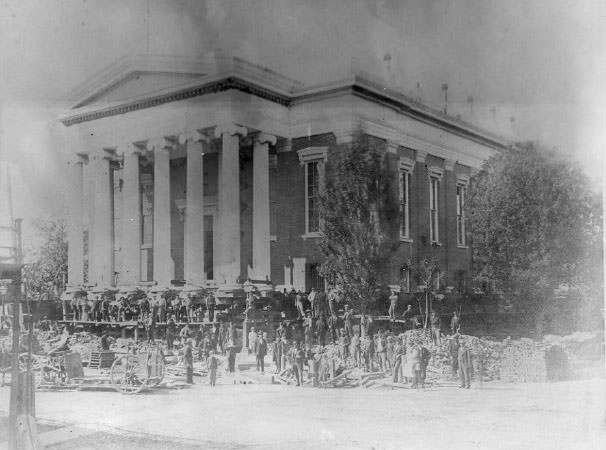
column 103, row 246
column 163, row 263
column 75, row 230
column 131, row 218
column 229, row 203
column 194, row 213
column 261, row 205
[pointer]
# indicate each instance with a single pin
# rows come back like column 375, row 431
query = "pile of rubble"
column 523, row 361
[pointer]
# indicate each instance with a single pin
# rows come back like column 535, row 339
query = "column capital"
column 203, row 136
column 392, row 146
column 421, row 156
column 159, row 144
column 265, row 138
column 80, row 158
column 231, row 129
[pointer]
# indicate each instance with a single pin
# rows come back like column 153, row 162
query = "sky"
column 541, row 62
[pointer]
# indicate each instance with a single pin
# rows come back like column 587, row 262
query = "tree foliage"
column 358, row 214
column 536, row 224
column 46, row 275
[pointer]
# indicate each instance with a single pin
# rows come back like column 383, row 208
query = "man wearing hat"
column 188, row 361
column 393, row 304
column 212, row 363
column 348, row 321
column 210, row 305
column 465, row 363
column 299, row 304
column 171, row 329
column 161, row 306
column 312, row 297
column 261, row 351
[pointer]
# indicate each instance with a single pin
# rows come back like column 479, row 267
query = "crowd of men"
column 297, row 345
column 310, row 345
column 157, row 305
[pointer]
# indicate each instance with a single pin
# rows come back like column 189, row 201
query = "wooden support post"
column 244, row 335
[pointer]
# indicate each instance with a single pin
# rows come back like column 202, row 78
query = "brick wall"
column 287, row 188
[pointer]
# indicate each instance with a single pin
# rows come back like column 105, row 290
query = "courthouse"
column 208, row 172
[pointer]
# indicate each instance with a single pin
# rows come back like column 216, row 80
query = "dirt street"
column 495, row 416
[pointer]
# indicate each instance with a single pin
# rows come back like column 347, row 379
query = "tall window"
column 461, row 192
column 312, row 188
column 434, row 219
column 313, row 159
column 404, row 204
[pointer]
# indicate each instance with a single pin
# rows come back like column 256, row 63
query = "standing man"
column 435, row 328
column 393, row 304
column 465, row 366
column 162, row 306
column 333, row 325
column 415, row 365
column 320, row 304
column 348, row 321
column 212, row 363
column 231, row 356
column 365, row 326
column 260, row 352
column 381, row 346
column 332, row 298
column 298, row 357
column 188, row 361
column 299, row 304
column 312, row 297
column 252, row 340
column 343, row 345
column 210, row 305
column 185, row 333
column 321, row 330
column 308, row 330
column 275, row 354
column 171, row 328
column 150, row 328
column 187, row 304
column 455, row 323
column 453, row 350
column 354, row 348
column 396, row 362
column 221, row 337
column 105, row 342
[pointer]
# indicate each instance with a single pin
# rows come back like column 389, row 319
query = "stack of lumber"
column 523, row 361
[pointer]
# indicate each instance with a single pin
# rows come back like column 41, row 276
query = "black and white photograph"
column 302, row 224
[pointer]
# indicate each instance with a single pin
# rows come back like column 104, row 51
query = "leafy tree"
column 536, row 224
column 425, row 273
column 46, row 275
column 358, row 213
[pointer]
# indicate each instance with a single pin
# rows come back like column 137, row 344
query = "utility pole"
column 17, row 404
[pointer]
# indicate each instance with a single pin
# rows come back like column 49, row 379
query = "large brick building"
column 209, row 172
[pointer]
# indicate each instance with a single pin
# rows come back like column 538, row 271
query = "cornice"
column 237, row 74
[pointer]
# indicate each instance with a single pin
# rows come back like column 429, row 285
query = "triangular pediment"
column 139, row 76
column 138, row 84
